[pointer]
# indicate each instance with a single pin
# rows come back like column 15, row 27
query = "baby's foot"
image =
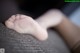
column 25, row 24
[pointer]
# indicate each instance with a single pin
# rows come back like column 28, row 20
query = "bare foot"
column 25, row 24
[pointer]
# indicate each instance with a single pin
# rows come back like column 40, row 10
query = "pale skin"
column 38, row 28
column 25, row 24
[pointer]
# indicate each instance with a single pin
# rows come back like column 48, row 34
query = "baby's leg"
column 25, row 24
column 70, row 32
column 50, row 18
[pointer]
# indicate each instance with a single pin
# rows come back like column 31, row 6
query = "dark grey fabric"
column 14, row 42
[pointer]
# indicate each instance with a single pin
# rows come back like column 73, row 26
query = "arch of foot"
column 25, row 24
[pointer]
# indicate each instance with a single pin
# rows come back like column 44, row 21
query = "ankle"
column 50, row 19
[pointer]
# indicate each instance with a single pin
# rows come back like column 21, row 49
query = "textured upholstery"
column 14, row 42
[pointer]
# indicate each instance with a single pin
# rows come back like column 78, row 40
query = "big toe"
column 10, row 22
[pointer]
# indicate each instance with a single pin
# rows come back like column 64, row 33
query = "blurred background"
column 35, row 8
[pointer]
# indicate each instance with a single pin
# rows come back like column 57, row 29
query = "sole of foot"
column 26, row 25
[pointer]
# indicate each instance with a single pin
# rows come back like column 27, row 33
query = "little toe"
column 17, row 16
column 24, row 16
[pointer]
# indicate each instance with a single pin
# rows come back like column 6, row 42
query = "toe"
column 17, row 16
column 24, row 16
column 9, row 24
column 12, row 18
